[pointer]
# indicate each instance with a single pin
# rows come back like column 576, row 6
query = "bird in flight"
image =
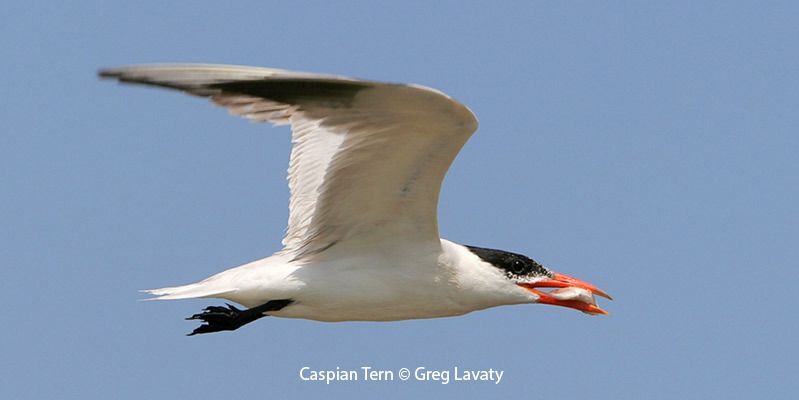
column 362, row 242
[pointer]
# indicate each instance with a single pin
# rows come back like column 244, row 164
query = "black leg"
column 231, row 318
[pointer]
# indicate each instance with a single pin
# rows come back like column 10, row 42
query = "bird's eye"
column 518, row 267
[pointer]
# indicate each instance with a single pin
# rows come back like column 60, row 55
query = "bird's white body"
column 430, row 284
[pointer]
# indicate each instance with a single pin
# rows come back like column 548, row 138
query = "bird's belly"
column 373, row 294
column 366, row 312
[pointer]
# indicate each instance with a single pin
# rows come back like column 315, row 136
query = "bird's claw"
column 217, row 318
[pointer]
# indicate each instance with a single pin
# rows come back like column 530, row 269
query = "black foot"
column 218, row 319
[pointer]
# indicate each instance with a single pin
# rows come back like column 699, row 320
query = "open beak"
column 566, row 296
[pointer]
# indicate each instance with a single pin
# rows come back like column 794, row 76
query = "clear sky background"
column 648, row 148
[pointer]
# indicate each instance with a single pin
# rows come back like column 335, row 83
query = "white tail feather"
column 191, row 291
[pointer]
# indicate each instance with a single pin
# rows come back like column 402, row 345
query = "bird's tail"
column 190, row 291
column 242, row 283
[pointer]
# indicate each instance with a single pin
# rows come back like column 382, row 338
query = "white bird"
column 362, row 242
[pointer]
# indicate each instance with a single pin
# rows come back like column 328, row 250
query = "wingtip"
column 108, row 73
column 122, row 74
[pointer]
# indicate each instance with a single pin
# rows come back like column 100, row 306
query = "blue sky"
column 648, row 148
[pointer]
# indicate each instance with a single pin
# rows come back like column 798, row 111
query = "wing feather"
column 367, row 160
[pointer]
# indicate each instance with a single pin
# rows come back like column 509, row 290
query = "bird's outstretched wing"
column 368, row 158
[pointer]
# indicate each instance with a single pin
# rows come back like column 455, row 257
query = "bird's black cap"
column 514, row 265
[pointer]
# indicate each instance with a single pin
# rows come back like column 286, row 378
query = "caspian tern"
column 365, row 171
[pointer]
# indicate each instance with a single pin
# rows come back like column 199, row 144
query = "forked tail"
column 191, row 291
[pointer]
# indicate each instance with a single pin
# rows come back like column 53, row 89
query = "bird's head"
column 547, row 287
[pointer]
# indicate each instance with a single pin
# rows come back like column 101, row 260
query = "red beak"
column 585, row 304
